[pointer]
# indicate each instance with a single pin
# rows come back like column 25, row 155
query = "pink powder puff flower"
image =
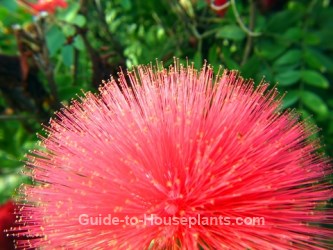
column 179, row 145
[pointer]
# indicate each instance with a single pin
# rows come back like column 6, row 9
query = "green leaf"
column 78, row 43
column 293, row 34
column 67, row 54
column 313, row 78
column 79, row 20
column 69, row 30
column 290, row 57
column 232, row 32
column 9, row 4
column 313, row 102
column 312, row 38
column 69, row 14
column 288, row 78
column 269, row 50
column 290, row 98
column 281, row 21
column 317, row 60
column 325, row 37
column 126, row 4
column 55, row 39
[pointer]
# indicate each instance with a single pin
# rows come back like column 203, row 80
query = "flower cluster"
column 177, row 142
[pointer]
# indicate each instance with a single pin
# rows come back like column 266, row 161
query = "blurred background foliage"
column 46, row 58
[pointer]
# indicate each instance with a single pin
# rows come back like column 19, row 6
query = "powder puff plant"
column 177, row 144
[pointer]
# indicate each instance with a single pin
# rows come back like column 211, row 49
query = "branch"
column 249, row 41
column 42, row 60
column 116, row 44
column 240, row 22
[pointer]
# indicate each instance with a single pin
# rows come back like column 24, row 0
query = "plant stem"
column 249, row 41
column 240, row 22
